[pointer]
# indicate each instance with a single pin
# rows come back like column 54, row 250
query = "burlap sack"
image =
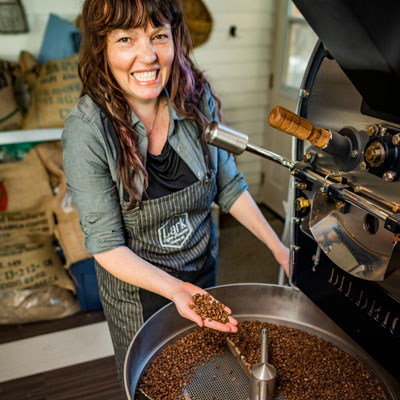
column 53, row 94
column 31, row 305
column 70, row 236
column 51, row 157
column 67, row 228
column 31, row 264
column 24, row 185
column 28, row 257
column 30, row 67
column 25, row 200
column 10, row 114
column 31, row 225
column 199, row 20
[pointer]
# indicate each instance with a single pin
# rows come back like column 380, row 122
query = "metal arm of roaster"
column 237, row 142
column 363, row 263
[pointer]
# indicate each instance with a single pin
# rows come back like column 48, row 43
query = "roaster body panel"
column 366, row 309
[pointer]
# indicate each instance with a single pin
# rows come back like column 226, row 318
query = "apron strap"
column 204, row 147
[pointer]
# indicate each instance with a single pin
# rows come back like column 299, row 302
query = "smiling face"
column 141, row 61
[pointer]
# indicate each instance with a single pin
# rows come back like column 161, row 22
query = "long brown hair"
column 185, row 85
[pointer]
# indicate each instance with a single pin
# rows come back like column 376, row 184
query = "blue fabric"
column 86, row 285
column 60, row 40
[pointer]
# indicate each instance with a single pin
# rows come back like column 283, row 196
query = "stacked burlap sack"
column 52, row 90
column 36, row 218
column 38, row 92
column 10, row 112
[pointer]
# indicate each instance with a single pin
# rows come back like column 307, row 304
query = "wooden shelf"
column 34, row 135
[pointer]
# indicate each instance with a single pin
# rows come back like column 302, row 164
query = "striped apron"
column 175, row 233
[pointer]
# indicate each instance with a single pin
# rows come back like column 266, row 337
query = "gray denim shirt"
column 90, row 164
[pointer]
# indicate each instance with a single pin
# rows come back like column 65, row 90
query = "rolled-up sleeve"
column 230, row 182
column 94, row 192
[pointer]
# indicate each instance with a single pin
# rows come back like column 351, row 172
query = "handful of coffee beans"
column 209, row 308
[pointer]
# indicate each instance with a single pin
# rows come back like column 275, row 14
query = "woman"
column 141, row 176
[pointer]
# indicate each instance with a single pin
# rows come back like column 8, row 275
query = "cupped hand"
column 183, row 299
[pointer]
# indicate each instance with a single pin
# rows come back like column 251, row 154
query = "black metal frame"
column 363, row 309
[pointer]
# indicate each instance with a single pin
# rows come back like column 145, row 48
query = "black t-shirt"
column 168, row 173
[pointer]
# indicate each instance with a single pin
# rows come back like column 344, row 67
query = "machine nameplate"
column 387, row 318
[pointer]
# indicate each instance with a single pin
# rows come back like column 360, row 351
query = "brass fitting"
column 363, row 166
column 301, row 204
column 301, row 185
column 340, row 205
column 388, row 176
column 375, row 154
column 307, row 157
column 305, row 93
column 396, row 139
column 382, row 130
column 372, row 130
column 354, row 153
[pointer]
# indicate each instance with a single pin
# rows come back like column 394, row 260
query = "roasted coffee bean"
column 175, row 366
column 308, row 367
column 209, row 308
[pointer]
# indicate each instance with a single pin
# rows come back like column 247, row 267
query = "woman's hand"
column 281, row 254
column 183, row 298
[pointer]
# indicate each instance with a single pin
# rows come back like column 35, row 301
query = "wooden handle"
column 292, row 124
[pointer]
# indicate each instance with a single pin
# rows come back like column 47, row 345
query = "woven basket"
column 199, row 20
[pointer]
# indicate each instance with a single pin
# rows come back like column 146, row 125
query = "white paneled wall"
column 238, row 67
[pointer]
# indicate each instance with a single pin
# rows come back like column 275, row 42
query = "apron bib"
column 175, row 233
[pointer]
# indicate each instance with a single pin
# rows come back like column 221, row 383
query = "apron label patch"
column 175, row 232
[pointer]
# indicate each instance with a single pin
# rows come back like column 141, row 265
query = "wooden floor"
column 98, row 379
column 87, row 381
column 10, row 333
column 94, row 380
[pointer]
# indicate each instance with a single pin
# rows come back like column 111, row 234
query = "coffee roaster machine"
column 345, row 191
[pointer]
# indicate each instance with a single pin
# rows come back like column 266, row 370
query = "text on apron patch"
column 175, row 232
